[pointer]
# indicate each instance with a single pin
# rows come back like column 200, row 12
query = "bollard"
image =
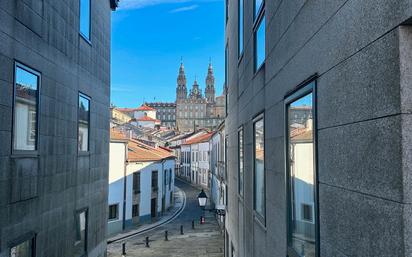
column 123, row 249
column 181, row 229
column 193, row 224
column 166, row 236
column 147, row 242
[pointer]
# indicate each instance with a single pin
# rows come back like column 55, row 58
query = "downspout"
column 124, row 186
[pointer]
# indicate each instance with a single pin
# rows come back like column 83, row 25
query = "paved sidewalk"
column 205, row 240
column 179, row 204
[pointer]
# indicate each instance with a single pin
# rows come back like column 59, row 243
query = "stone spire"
column 210, row 84
column 181, row 90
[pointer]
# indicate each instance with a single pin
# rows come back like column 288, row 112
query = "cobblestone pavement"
column 203, row 241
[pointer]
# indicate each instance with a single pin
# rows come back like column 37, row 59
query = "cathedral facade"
column 195, row 110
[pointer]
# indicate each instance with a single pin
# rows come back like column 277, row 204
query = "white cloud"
column 185, row 8
column 138, row 4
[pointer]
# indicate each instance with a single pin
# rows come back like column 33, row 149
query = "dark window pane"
column 24, row 249
column 85, row 18
column 260, row 43
column 259, row 168
column 81, row 233
column 135, row 210
column 240, row 162
column 25, row 110
column 301, row 177
column 154, row 180
column 113, row 211
column 84, row 123
column 136, row 182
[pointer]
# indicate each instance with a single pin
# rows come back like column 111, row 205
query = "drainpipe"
column 124, row 186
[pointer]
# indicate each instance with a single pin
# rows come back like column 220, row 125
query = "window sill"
column 24, row 154
column 258, row 220
column 259, row 69
column 83, row 154
column 85, row 39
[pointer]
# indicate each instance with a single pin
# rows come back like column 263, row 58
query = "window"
column 301, row 174
column 241, row 164
column 24, row 249
column 259, row 167
column 258, row 6
column 113, row 212
column 85, row 19
column 170, row 178
column 154, row 180
column 227, row 10
column 26, row 104
column 136, row 182
column 260, row 43
column 135, row 210
column 80, row 245
column 307, row 212
column 240, row 24
column 84, row 122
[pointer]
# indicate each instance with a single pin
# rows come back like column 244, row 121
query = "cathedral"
column 195, row 110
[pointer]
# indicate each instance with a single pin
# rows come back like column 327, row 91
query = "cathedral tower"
column 210, row 85
column 181, row 90
column 195, row 92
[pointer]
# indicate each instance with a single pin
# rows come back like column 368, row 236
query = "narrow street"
column 203, row 241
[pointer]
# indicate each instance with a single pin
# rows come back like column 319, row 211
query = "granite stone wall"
column 361, row 54
column 40, row 191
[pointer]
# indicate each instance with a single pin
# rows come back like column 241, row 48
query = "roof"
column 199, row 139
column 301, row 135
column 140, row 152
column 147, row 118
column 126, row 109
column 145, row 108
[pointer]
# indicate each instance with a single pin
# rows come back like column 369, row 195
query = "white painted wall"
column 116, row 176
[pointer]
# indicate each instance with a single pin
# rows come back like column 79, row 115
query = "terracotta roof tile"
column 199, row 139
column 145, row 108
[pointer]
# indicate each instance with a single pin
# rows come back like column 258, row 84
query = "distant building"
column 166, row 113
column 218, row 178
column 118, row 116
column 195, row 110
column 141, row 182
column 199, row 164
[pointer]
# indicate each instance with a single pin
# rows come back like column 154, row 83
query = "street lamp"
column 202, row 197
column 219, row 209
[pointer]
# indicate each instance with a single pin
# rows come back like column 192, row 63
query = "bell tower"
column 181, row 90
column 210, row 84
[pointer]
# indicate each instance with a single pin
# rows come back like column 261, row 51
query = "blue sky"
column 149, row 37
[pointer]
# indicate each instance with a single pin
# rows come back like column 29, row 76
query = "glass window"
column 135, row 210
column 154, row 180
column 240, row 22
column 136, row 182
column 25, row 108
column 227, row 10
column 84, row 123
column 301, row 176
column 113, row 212
column 257, row 7
column 260, row 42
column 24, row 249
column 240, row 142
column 259, row 167
column 80, row 245
column 85, row 18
